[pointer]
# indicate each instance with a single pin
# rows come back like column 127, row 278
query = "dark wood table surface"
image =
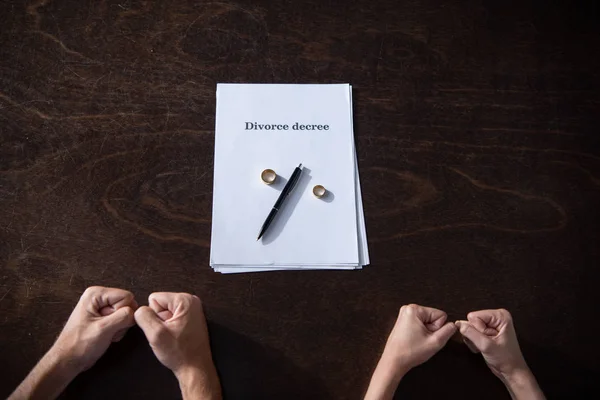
column 477, row 137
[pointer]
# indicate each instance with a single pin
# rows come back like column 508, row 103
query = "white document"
column 259, row 127
column 363, row 250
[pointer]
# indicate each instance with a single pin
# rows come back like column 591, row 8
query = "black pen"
column 284, row 194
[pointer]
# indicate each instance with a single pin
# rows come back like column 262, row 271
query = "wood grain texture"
column 477, row 138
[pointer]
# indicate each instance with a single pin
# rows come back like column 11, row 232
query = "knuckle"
column 411, row 308
column 91, row 290
column 139, row 313
column 185, row 298
column 128, row 295
column 129, row 313
column 505, row 313
column 136, row 314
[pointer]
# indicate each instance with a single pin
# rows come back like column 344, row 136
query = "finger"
column 161, row 310
column 437, row 324
column 444, row 334
column 478, row 339
column 429, row 316
column 104, row 311
column 161, row 301
column 165, row 315
column 119, row 320
column 99, row 297
column 491, row 318
column 147, row 319
column 118, row 298
column 483, row 328
column 477, row 322
column 174, row 303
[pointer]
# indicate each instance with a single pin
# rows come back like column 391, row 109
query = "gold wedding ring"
column 268, row 176
column 319, row 191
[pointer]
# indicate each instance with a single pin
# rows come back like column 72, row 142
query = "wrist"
column 516, row 376
column 386, row 378
column 198, row 383
column 521, row 384
column 395, row 366
column 47, row 379
column 64, row 362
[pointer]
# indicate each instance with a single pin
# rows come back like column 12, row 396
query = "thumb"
column 147, row 319
column 444, row 334
column 478, row 339
column 120, row 319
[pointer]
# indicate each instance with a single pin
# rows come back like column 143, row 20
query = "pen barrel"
column 279, row 201
column 288, row 188
column 284, row 194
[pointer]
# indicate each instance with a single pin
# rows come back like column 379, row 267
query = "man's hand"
column 419, row 333
column 175, row 326
column 492, row 333
column 101, row 316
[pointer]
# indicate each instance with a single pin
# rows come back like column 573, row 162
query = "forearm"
column 47, row 379
column 385, row 380
column 199, row 384
column 522, row 385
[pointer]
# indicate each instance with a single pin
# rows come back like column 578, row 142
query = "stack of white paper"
column 260, row 126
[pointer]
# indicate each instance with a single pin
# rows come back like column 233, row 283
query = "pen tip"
column 300, row 166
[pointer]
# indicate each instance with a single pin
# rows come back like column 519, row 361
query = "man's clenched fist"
column 101, row 316
column 175, row 326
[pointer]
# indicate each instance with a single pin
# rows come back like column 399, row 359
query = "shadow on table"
column 247, row 370
column 455, row 372
column 560, row 376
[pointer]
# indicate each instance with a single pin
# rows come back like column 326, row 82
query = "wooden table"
column 476, row 127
